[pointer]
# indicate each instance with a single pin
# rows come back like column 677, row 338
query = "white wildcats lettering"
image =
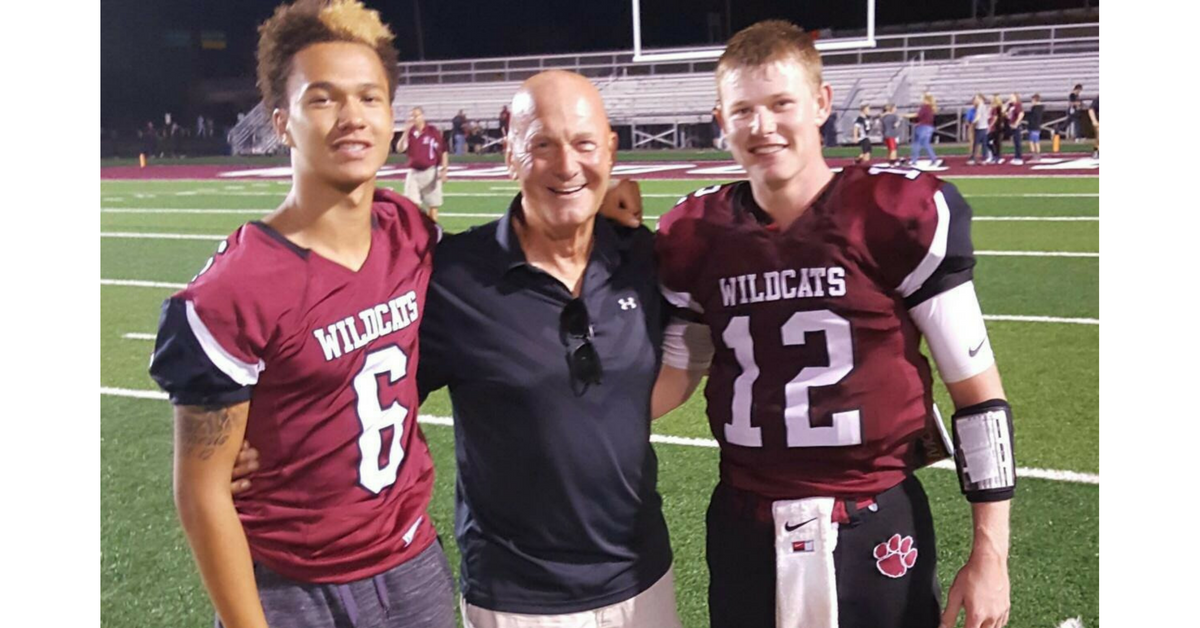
column 355, row 332
column 779, row 285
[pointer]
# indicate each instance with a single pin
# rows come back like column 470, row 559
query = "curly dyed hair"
column 768, row 41
column 303, row 23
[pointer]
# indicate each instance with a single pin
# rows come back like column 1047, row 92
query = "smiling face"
column 561, row 149
column 338, row 119
column 772, row 116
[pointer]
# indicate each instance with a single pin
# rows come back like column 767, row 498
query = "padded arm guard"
column 983, row 451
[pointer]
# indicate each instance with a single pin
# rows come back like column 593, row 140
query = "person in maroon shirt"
column 428, row 162
column 504, row 120
column 997, row 123
column 805, row 295
column 1016, row 115
column 923, row 131
column 300, row 334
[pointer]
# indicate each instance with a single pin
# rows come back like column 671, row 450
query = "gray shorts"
column 423, row 187
column 416, row 594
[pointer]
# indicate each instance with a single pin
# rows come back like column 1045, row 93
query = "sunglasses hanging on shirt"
column 575, row 331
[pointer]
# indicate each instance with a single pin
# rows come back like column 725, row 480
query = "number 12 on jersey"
column 847, row 425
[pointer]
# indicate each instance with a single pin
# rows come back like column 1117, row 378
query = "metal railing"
column 942, row 45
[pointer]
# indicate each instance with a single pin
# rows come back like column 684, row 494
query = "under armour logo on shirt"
column 628, row 304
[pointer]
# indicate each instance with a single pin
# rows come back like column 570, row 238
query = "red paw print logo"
column 895, row 557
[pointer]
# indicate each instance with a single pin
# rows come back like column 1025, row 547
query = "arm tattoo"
column 202, row 430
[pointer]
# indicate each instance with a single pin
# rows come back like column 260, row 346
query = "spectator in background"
column 862, row 128
column 173, row 135
column 458, row 130
column 969, row 124
column 428, row 162
column 718, row 136
column 1016, row 115
column 891, row 133
column 1036, row 112
column 1094, row 115
column 200, row 125
column 504, row 119
column 980, row 127
column 208, row 127
column 829, row 131
column 996, row 123
column 1073, row 105
column 923, row 133
column 476, row 138
column 149, row 139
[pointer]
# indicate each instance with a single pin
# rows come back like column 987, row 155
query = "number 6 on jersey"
column 375, row 418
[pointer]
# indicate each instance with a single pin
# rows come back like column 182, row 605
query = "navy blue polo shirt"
column 557, row 509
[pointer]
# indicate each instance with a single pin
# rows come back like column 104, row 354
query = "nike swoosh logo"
column 790, row 528
column 976, row 349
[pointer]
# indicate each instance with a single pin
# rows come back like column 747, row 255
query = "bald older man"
column 546, row 325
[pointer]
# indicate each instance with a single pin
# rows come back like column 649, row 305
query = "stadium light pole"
column 417, row 26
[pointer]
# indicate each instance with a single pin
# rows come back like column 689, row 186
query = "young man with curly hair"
column 300, row 335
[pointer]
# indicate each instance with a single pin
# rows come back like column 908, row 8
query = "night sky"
column 154, row 52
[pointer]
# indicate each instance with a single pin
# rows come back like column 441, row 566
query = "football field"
column 1037, row 242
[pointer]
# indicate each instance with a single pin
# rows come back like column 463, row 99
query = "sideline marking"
column 1056, row 475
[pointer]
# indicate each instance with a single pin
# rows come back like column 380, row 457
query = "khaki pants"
column 424, row 188
column 652, row 608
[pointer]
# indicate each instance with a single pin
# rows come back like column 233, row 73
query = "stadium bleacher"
column 664, row 109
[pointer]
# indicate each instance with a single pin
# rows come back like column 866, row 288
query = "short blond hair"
column 303, row 23
column 769, row 41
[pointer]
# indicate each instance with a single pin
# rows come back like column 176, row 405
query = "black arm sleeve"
column 180, row 366
column 958, row 266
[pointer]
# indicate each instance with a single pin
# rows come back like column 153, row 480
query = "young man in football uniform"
column 809, row 293
column 300, row 334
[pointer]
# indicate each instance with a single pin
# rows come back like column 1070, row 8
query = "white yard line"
column 1037, row 195
column 134, row 283
column 166, row 210
column 133, row 336
column 1035, row 254
column 506, row 193
column 1040, row 319
column 217, row 237
column 1035, row 218
column 170, row 210
column 162, row 236
column 1074, row 477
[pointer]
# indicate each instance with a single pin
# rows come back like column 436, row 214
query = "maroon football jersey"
column 328, row 359
column 425, row 147
column 817, row 386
